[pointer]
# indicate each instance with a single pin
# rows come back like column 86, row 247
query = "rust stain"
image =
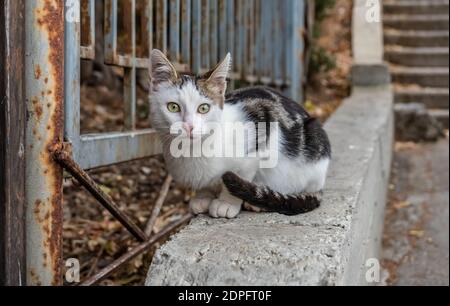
column 85, row 24
column 37, row 108
column 37, row 72
column 35, row 278
column 108, row 26
column 45, row 256
column 37, row 208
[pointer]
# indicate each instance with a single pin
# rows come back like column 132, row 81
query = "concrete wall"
column 329, row 246
column 368, row 48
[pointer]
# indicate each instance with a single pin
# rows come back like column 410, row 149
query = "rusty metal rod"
column 135, row 252
column 158, row 205
column 66, row 161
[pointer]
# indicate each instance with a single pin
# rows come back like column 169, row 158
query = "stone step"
column 433, row 98
column 422, row 76
column 418, row 57
column 416, row 38
column 416, row 22
column 416, row 7
column 440, row 115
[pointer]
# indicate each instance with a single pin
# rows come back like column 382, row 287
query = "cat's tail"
column 265, row 198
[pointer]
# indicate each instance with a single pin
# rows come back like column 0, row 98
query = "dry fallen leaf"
column 417, row 233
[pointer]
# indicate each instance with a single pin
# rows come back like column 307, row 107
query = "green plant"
column 321, row 61
column 322, row 6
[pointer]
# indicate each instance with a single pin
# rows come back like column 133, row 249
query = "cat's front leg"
column 226, row 206
column 201, row 202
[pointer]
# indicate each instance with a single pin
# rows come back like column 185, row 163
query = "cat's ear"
column 161, row 70
column 216, row 79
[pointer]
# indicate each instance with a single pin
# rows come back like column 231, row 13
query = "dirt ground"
column 328, row 87
column 416, row 237
column 93, row 236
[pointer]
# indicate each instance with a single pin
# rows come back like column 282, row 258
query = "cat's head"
column 187, row 101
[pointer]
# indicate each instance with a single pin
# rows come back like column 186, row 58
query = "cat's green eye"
column 173, row 107
column 204, row 109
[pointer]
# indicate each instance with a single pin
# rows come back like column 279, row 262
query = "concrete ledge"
column 371, row 75
column 367, row 33
column 329, row 246
column 369, row 68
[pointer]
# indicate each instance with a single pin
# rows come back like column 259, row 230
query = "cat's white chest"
column 196, row 173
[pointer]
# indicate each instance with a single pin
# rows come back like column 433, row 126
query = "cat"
column 223, row 185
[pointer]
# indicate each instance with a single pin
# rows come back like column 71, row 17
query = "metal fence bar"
column 230, row 28
column 186, row 21
column 161, row 25
column 174, row 28
column 240, row 38
column 98, row 150
column 205, row 56
column 140, row 249
column 222, row 29
column 110, row 31
column 288, row 31
column 295, row 16
column 258, row 38
column 251, row 36
column 72, row 81
column 88, row 14
column 301, row 36
column 149, row 18
column 278, row 41
column 12, row 143
column 130, row 77
column 196, row 36
column 214, row 34
column 66, row 161
column 158, row 205
column 44, row 22
column 267, row 38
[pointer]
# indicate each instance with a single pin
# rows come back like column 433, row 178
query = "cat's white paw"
column 222, row 209
column 199, row 206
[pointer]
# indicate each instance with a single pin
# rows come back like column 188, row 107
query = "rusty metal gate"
column 265, row 37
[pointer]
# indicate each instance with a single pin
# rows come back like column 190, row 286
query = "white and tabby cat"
column 222, row 185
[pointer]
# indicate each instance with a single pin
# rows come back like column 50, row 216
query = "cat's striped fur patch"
column 269, row 200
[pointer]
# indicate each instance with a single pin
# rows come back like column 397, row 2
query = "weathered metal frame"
column 96, row 150
column 44, row 82
column 249, row 29
column 12, row 143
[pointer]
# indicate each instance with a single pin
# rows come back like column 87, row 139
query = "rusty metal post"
column 44, row 21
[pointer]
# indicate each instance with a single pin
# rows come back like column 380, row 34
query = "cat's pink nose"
column 189, row 128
